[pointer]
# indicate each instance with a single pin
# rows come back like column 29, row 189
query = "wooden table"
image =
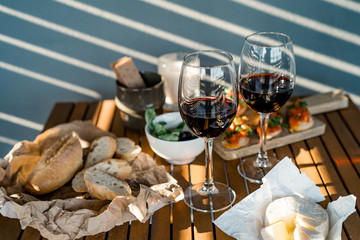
column 332, row 161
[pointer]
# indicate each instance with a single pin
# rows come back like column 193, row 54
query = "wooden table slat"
column 139, row 231
column 306, row 165
column 351, row 116
column 118, row 232
column 99, row 236
column 236, row 182
column 327, row 171
column 79, row 111
column 160, row 227
column 161, row 219
column 59, row 114
column 10, row 228
column 347, row 140
column 181, row 212
column 93, row 111
column 117, row 127
column 30, row 233
column 202, row 221
column 343, row 165
column 106, row 115
column 220, row 175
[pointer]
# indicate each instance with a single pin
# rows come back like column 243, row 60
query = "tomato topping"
column 298, row 112
column 237, row 130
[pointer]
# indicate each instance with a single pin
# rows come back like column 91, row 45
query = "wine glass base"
column 249, row 170
column 213, row 200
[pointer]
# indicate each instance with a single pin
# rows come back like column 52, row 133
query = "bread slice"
column 100, row 149
column 103, row 186
column 302, row 125
column 127, row 73
column 242, row 142
column 270, row 133
column 115, row 167
column 126, row 149
column 305, row 125
column 273, row 134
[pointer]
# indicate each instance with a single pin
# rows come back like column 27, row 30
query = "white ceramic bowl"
column 177, row 153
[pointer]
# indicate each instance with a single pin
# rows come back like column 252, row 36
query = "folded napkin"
column 246, row 218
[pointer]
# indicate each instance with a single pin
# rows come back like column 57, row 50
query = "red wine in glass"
column 208, row 117
column 266, row 92
column 267, row 74
column 208, row 99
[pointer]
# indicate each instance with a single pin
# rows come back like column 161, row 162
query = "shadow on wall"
column 60, row 51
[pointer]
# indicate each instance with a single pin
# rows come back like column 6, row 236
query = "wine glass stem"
column 262, row 158
column 209, row 186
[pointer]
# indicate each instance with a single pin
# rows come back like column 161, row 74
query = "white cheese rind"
column 305, row 218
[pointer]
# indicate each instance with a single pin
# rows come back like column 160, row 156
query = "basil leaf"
column 150, row 115
column 159, row 130
column 174, row 136
column 303, row 104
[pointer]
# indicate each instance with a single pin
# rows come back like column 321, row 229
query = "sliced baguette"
column 242, row 142
column 100, row 149
column 103, row 186
column 127, row 149
column 273, row 134
column 305, row 125
column 115, row 167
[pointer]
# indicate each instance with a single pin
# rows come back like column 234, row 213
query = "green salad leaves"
column 159, row 130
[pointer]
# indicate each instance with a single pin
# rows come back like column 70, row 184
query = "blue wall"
column 60, row 51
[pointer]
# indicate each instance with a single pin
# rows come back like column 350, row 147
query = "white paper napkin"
column 245, row 219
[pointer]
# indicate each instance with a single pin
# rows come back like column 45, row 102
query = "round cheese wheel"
column 304, row 219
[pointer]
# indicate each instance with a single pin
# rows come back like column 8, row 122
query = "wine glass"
column 208, row 102
column 266, row 81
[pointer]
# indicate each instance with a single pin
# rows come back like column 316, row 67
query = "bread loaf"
column 103, row 186
column 126, row 149
column 100, row 149
column 127, row 73
column 86, row 131
column 57, row 166
column 29, row 163
column 22, row 153
column 115, row 167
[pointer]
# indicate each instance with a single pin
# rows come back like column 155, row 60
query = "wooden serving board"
column 319, row 103
column 284, row 138
column 327, row 102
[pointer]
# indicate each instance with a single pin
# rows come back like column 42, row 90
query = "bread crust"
column 305, row 125
column 101, row 189
column 127, row 73
column 126, row 149
column 100, row 149
column 299, row 116
column 242, row 142
column 56, row 167
column 115, row 167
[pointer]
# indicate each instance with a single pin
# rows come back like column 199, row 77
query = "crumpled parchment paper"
column 246, row 218
column 76, row 217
